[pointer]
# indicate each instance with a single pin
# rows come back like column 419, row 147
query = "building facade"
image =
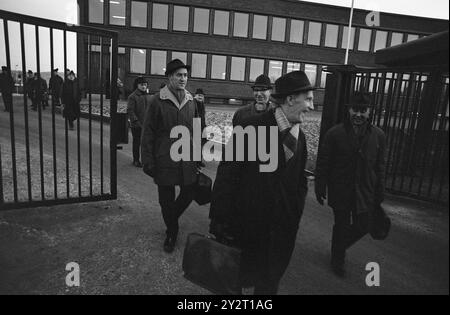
column 230, row 42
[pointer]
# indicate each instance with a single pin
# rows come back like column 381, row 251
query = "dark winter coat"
column 162, row 114
column 352, row 171
column 136, row 108
column 6, row 83
column 70, row 98
column 55, row 85
column 38, row 88
column 244, row 112
column 263, row 209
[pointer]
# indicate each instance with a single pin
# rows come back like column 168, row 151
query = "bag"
column 203, row 189
column 212, row 265
column 381, row 224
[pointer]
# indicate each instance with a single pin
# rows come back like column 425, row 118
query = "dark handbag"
column 212, row 265
column 381, row 224
column 203, row 189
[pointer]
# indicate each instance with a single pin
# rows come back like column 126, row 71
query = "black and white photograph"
column 224, row 152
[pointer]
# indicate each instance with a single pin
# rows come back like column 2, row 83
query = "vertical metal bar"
column 25, row 109
column 52, row 66
column 444, row 127
column 89, row 79
column 382, row 88
column 41, row 149
column 11, row 114
column 78, row 142
column 66, row 121
column 2, row 200
column 101, row 114
column 113, row 111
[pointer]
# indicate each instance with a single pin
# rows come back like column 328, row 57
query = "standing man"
column 55, row 86
column 265, row 208
column 200, row 100
column 38, row 91
column 136, row 113
column 172, row 106
column 71, row 97
column 261, row 91
column 29, row 85
column 350, row 166
column 7, row 88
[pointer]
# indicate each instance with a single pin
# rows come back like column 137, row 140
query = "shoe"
column 169, row 244
column 137, row 164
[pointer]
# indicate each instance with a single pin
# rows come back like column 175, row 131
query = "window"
column 138, row 60
column 323, row 79
column 201, row 20
column 117, row 12
column 180, row 18
column 221, row 22
column 412, row 37
column 96, row 11
column 218, row 67
column 365, row 37
column 311, row 72
column 160, row 16
column 345, row 38
column 331, row 35
column 297, row 29
column 380, row 40
column 293, row 66
column 179, row 55
column 240, row 25
column 198, row 66
column 397, row 39
column 278, row 29
column 138, row 14
column 314, row 33
column 237, row 69
column 259, row 27
column 158, row 63
column 256, row 69
column 275, row 70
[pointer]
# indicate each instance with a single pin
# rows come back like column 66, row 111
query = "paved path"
column 118, row 244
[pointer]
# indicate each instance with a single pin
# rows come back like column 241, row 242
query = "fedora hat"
column 360, row 99
column 292, row 83
column 140, row 80
column 176, row 64
column 199, row 91
column 262, row 81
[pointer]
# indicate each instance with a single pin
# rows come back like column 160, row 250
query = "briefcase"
column 203, row 189
column 212, row 265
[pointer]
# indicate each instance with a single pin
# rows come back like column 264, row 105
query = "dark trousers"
column 172, row 208
column 348, row 229
column 136, row 132
column 7, row 100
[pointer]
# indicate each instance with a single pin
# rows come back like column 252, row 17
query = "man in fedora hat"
column 55, row 86
column 6, row 87
column 136, row 111
column 173, row 106
column 350, row 172
column 262, row 211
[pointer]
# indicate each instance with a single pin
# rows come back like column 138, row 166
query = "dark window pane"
column 240, row 25
column 311, row 72
column 138, row 60
column 138, row 14
column 278, row 29
column 96, row 11
column 256, row 68
column 198, row 66
column 159, row 61
column 345, row 38
column 297, row 29
column 201, row 20
column 331, row 35
column 397, row 39
column 365, row 37
column 260, row 27
column 237, row 69
column 180, row 18
column 117, row 12
column 221, row 22
column 218, row 67
column 380, row 40
column 160, row 16
column 314, row 32
column 293, row 66
column 412, row 37
column 275, row 69
column 179, row 55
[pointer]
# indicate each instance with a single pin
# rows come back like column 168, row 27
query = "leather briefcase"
column 212, row 265
column 203, row 189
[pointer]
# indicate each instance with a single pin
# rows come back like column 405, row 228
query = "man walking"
column 71, row 97
column 264, row 209
column 136, row 112
column 172, row 106
column 350, row 170
column 6, row 88
column 55, row 86
column 38, row 91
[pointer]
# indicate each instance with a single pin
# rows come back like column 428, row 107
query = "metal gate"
column 44, row 160
column 412, row 107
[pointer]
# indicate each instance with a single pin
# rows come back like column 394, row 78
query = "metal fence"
column 412, row 107
column 42, row 161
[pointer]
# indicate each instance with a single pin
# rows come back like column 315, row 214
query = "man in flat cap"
column 172, row 106
column 137, row 103
column 55, row 86
column 6, row 88
column 350, row 170
column 263, row 209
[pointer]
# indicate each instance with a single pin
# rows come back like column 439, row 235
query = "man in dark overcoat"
column 71, row 98
column 6, row 88
column 38, row 92
column 262, row 210
column 350, row 170
column 55, row 86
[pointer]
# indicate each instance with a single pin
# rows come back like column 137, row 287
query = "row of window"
column 225, row 23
